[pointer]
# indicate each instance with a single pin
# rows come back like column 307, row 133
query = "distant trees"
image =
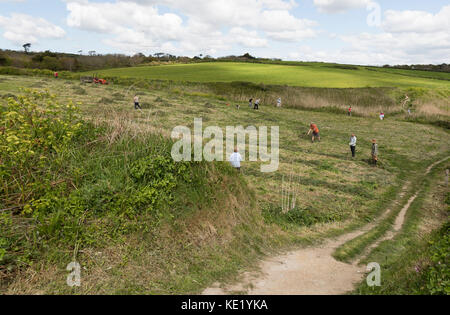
column 4, row 60
column 440, row 68
column 248, row 56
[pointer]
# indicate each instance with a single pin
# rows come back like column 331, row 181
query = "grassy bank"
column 428, row 105
column 417, row 260
column 117, row 204
column 105, row 207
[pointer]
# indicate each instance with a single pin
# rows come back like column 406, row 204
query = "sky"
column 366, row 32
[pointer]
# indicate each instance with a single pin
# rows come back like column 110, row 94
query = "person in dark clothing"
column 257, row 102
column 374, row 152
column 136, row 103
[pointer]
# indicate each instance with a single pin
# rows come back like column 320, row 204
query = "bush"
column 5, row 61
column 297, row 217
column 35, row 128
column 437, row 275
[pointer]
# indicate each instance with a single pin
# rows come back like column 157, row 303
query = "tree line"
column 437, row 68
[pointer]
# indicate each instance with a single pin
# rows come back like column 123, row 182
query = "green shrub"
column 4, row 60
column 298, row 217
column 437, row 275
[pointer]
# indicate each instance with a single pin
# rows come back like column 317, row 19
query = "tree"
column 92, row 53
column 27, row 47
column 248, row 56
column 50, row 63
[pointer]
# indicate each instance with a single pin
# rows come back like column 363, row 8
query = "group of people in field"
column 314, row 130
column 236, row 158
column 256, row 105
column 382, row 115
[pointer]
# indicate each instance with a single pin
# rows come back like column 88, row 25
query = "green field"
column 305, row 75
column 218, row 222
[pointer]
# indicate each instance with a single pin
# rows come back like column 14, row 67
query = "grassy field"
column 336, row 192
column 305, row 75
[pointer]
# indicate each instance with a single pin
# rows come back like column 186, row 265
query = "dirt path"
column 312, row 271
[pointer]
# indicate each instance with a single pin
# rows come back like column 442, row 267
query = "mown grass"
column 311, row 75
column 416, row 260
column 200, row 242
column 356, row 247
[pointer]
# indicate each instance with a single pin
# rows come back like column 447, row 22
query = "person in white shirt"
column 279, row 102
column 236, row 159
column 353, row 141
column 136, row 102
column 257, row 102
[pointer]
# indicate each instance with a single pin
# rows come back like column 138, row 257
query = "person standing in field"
column 279, row 102
column 56, row 75
column 382, row 116
column 353, row 141
column 315, row 132
column 136, row 102
column 374, row 152
column 350, row 110
column 250, row 103
column 236, row 159
column 257, row 102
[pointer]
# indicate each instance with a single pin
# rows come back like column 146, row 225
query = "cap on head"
column 374, row 141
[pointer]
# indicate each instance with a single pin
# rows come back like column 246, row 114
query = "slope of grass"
column 216, row 226
column 417, row 260
column 310, row 75
column 137, row 221
column 414, row 73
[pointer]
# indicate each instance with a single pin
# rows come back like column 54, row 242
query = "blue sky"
column 313, row 30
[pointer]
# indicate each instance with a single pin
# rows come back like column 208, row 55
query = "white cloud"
column 246, row 38
column 22, row 28
column 194, row 26
column 417, row 21
column 406, row 37
column 339, row 6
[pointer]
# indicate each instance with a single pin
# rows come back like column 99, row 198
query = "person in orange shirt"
column 315, row 132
